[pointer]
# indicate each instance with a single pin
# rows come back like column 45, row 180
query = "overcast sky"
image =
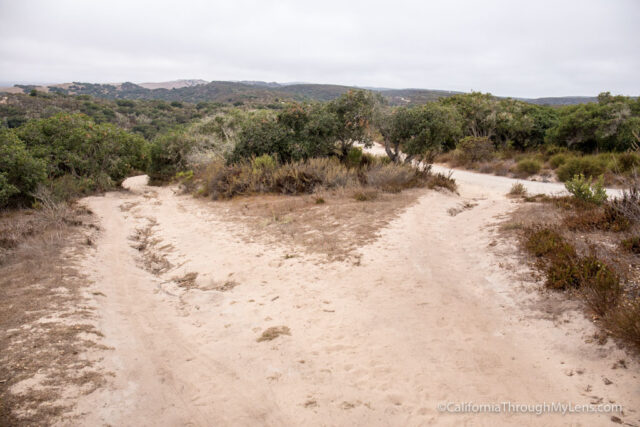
column 527, row 48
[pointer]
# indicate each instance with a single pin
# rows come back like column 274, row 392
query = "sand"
column 430, row 315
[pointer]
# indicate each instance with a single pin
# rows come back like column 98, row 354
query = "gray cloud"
column 517, row 48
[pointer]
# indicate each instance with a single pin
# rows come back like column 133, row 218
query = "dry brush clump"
column 593, row 279
column 571, row 254
column 220, row 180
column 517, row 190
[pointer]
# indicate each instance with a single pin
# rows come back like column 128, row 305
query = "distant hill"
column 561, row 100
column 253, row 92
column 174, row 84
column 414, row 96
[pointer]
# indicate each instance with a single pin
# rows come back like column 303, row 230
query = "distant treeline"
column 254, row 93
column 78, row 144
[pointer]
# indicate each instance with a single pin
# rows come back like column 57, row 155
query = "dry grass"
column 329, row 208
column 187, row 281
column 225, row 286
column 320, row 205
column 222, row 181
column 441, row 180
column 45, row 321
column 274, row 332
column 517, row 190
column 365, row 196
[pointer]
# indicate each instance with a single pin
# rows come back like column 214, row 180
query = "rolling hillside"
column 253, row 92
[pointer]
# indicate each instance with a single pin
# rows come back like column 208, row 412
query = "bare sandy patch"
column 330, row 223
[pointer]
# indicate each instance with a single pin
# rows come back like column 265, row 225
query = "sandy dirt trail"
column 427, row 317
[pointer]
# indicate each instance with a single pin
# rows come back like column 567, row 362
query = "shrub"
column 74, row 147
column 169, row 152
column 220, row 180
column 600, row 285
column 354, row 157
column 614, row 220
column 475, row 149
column 365, row 196
column 589, row 219
column 584, row 190
column 298, row 132
column 68, row 187
column 295, row 178
column 369, row 159
column 552, row 150
column 20, row 173
column 264, row 163
column 628, row 206
column 628, row 161
column 393, row 177
column 557, row 160
column 631, row 244
column 544, row 241
column 589, row 166
column 7, row 191
column 624, row 320
column 329, row 171
column 562, row 272
column 262, row 136
column 557, row 257
column 528, row 166
column 184, row 177
column 518, row 190
column 441, row 180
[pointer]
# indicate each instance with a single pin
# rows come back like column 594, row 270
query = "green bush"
column 304, row 131
column 589, row 166
column 557, row 160
column 67, row 187
column 354, row 157
column 7, row 191
column 264, row 163
column 168, row 153
column 628, row 161
column 606, row 125
column 528, row 166
column 562, row 272
column 74, row 144
column 599, row 284
column 475, row 149
column 552, row 150
column 545, row 241
column 20, row 173
column 557, row 257
column 582, row 189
